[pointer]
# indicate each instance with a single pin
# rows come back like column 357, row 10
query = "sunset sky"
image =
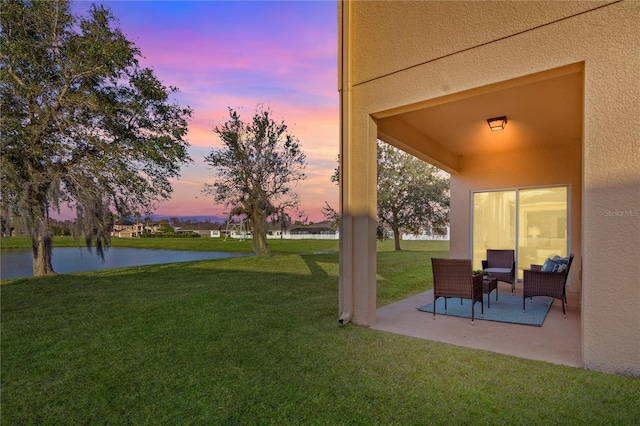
column 238, row 54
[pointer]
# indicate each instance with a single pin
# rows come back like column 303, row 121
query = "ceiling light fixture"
column 497, row 123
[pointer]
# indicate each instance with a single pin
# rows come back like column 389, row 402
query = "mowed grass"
column 407, row 272
column 232, row 245
column 257, row 341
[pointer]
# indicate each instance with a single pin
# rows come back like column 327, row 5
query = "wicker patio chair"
column 501, row 265
column 552, row 284
column 454, row 278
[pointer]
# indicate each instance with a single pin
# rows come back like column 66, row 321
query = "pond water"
column 18, row 263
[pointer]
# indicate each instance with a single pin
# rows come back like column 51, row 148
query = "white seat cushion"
column 498, row 270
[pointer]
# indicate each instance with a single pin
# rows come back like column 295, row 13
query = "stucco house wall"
column 396, row 54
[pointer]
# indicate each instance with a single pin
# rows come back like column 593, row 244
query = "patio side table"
column 488, row 285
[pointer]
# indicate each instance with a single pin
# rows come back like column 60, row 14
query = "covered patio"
column 546, row 111
column 557, row 341
column 560, row 177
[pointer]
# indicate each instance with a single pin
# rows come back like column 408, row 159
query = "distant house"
column 127, row 229
column 317, row 231
column 276, row 230
column 207, row 230
column 321, row 230
column 153, row 228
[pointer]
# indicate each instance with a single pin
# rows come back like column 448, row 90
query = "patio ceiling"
column 541, row 109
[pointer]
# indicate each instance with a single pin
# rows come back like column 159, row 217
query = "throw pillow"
column 556, row 264
column 548, row 266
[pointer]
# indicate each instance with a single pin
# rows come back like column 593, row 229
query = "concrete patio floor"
column 558, row 340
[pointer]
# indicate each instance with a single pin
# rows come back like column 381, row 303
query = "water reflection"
column 18, row 263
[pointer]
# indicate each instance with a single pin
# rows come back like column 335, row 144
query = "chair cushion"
column 498, row 270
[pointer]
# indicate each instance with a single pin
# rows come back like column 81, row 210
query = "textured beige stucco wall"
column 401, row 53
column 405, row 33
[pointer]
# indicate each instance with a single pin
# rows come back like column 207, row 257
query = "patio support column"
column 358, row 178
column 358, row 228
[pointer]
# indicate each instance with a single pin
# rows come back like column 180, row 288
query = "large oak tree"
column 83, row 124
column 412, row 194
column 256, row 170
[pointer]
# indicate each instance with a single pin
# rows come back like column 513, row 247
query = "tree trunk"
column 41, row 247
column 396, row 237
column 259, row 234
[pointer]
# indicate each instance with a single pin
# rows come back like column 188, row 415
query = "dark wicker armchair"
column 454, row 278
column 501, row 265
column 552, row 284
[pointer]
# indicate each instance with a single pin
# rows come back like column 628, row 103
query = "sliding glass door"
column 543, row 218
column 531, row 221
column 494, row 223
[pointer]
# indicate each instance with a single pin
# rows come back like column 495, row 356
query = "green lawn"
column 192, row 244
column 257, row 341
